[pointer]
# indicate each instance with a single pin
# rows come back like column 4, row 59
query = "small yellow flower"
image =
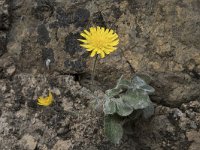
column 99, row 40
column 45, row 101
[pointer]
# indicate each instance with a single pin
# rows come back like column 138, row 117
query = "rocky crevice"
column 158, row 38
column 5, row 22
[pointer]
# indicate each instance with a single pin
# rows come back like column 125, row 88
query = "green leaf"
column 147, row 78
column 113, row 129
column 122, row 83
column 113, row 92
column 138, row 82
column 137, row 99
column 122, row 108
column 109, row 107
column 148, row 111
column 147, row 88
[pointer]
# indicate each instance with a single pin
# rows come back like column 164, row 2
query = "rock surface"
column 3, row 43
column 4, row 25
column 70, row 123
column 160, row 38
column 38, row 47
column 4, row 15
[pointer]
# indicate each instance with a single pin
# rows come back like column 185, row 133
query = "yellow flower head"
column 99, row 40
column 45, row 101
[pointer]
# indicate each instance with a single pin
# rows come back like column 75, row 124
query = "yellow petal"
column 99, row 40
column 112, row 49
column 102, row 54
column 45, row 101
column 92, row 30
column 86, row 46
column 114, row 36
column 103, row 29
column 84, row 35
column 107, row 31
column 98, row 29
column 114, row 43
column 50, row 96
column 93, row 53
column 84, row 41
column 111, row 32
column 107, row 51
column 88, row 33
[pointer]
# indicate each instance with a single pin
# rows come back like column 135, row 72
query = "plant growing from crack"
column 130, row 98
column 99, row 41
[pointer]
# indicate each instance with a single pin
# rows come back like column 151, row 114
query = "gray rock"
column 194, row 137
column 10, row 70
column 43, row 35
column 193, row 125
column 62, row 145
column 159, row 38
column 4, row 24
column 29, row 142
column 190, row 114
column 3, row 43
column 8, row 67
column 4, row 15
column 175, row 88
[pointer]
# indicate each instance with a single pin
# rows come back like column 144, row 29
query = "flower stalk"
column 99, row 41
column 93, row 70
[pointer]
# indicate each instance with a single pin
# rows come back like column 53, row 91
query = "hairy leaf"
column 109, row 107
column 113, row 92
column 147, row 78
column 147, row 88
column 113, row 129
column 138, row 82
column 123, row 84
column 122, row 108
column 137, row 99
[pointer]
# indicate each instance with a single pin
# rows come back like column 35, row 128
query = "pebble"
column 10, row 70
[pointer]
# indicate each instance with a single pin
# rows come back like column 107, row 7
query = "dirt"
column 159, row 38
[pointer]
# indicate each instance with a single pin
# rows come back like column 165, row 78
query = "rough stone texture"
column 151, row 45
column 175, row 88
column 3, row 43
column 28, row 142
column 62, row 145
column 71, row 124
column 4, row 15
column 160, row 38
column 70, row 120
column 4, row 25
column 171, row 128
column 194, row 136
column 51, row 25
column 7, row 67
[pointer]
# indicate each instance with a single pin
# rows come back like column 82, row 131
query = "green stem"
column 93, row 69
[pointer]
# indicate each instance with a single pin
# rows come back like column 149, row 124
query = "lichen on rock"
column 159, row 38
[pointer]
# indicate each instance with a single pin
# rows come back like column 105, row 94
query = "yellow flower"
column 45, row 101
column 99, row 40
